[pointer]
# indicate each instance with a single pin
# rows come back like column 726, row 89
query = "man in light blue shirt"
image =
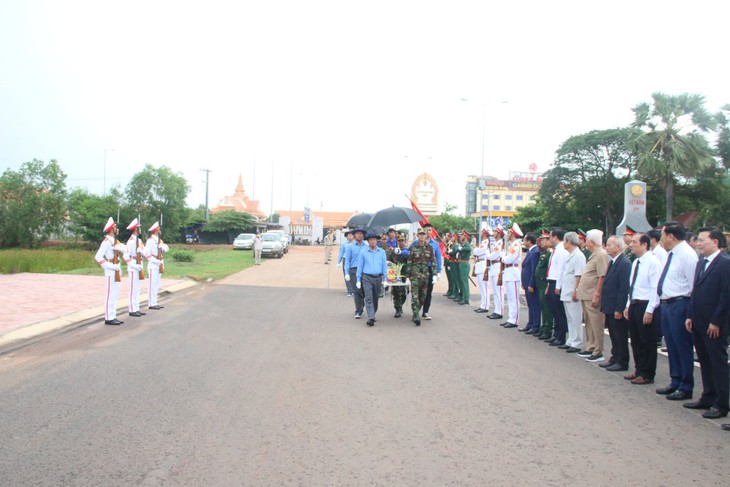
column 341, row 257
column 372, row 271
column 352, row 253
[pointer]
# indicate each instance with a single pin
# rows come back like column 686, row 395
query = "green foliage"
column 274, row 218
column 32, row 203
column 89, row 212
column 181, row 255
column 158, row 191
column 722, row 146
column 449, row 208
column 532, row 218
column 451, row 223
column 584, row 188
column 672, row 143
column 47, row 261
column 229, row 220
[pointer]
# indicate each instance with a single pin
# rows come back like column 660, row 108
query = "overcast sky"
column 350, row 101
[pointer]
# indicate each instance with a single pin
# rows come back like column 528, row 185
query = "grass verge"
column 214, row 263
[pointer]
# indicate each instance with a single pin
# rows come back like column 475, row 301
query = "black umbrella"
column 393, row 216
column 359, row 220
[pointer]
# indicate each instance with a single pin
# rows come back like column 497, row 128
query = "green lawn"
column 213, row 263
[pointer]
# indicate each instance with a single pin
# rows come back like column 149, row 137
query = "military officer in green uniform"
column 419, row 258
column 448, row 264
column 628, row 237
column 463, row 257
column 582, row 243
column 455, row 278
column 546, row 327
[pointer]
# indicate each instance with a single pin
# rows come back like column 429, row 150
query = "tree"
column 32, row 203
column 723, row 136
column 229, row 220
column 157, row 193
column 672, row 143
column 532, row 218
column 451, row 223
column 89, row 212
column 585, row 185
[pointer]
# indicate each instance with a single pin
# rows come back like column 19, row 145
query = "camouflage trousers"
column 419, row 287
column 399, row 297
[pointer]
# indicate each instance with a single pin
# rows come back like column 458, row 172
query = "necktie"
column 550, row 262
column 703, row 264
column 664, row 274
column 633, row 280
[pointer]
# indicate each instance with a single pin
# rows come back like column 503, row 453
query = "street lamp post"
column 105, row 151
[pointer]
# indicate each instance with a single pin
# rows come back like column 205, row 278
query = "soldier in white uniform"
column 494, row 262
column 135, row 270
column 112, row 272
column 480, row 268
column 511, row 275
column 155, row 249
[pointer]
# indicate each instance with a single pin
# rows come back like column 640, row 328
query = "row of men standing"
column 109, row 257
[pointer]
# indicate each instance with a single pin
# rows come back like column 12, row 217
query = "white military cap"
column 109, row 224
column 516, row 229
column 133, row 225
column 154, row 227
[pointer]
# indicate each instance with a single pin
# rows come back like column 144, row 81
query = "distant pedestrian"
column 258, row 245
column 329, row 241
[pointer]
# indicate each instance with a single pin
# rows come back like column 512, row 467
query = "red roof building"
column 239, row 201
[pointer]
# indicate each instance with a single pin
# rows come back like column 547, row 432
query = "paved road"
column 233, row 384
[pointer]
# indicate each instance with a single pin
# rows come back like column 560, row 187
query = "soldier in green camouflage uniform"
column 455, row 289
column 463, row 257
column 399, row 293
column 546, row 329
column 419, row 257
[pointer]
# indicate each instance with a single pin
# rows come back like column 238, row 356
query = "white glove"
column 134, row 267
column 397, row 250
column 408, row 282
column 108, row 266
column 121, row 248
column 385, row 284
column 347, row 277
column 339, row 264
column 116, row 267
column 435, row 278
column 357, row 284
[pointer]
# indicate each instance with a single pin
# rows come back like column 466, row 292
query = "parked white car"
column 243, row 242
column 272, row 245
column 283, row 237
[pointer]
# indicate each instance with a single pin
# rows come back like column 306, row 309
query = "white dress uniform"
column 511, row 275
column 105, row 258
column 134, row 247
column 575, row 264
column 480, row 267
column 495, row 256
column 154, row 260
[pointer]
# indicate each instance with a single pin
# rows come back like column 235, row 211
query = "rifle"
column 139, row 253
column 117, row 274
column 159, row 249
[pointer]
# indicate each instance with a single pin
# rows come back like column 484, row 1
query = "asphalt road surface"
column 249, row 385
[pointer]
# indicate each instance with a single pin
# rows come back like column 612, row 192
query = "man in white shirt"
column 640, row 306
column 674, row 289
column 656, row 248
column 554, row 278
column 573, row 270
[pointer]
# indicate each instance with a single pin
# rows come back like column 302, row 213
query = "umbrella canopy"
column 359, row 220
column 393, row 216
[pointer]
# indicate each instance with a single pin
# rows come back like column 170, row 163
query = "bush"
column 182, row 255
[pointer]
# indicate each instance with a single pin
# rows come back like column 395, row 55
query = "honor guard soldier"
column 155, row 249
column 494, row 262
column 420, row 259
column 109, row 256
column 511, row 275
column 480, row 271
column 135, row 268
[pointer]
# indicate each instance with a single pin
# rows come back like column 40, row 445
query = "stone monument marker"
column 634, row 208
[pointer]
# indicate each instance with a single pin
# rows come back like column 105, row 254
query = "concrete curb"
column 17, row 338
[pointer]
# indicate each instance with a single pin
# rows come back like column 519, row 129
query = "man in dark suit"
column 529, row 284
column 708, row 319
column 613, row 301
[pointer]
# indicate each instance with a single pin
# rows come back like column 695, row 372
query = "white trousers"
column 112, row 293
column 153, row 285
column 483, row 291
column 498, row 295
column 513, row 300
column 134, row 286
column 574, row 313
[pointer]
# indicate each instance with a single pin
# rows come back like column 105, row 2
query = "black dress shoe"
column 664, row 391
column 616, row 368
column 157, row 306
column 136, row 314
column 494, row 316
column 572, row 350
column 480, row 310
column 113, row 322
column 371, row 322
column 564, row 347
column 696, row 405
column 556, row 343
column 510, row 325
column 726, row 427
column 606, row 365
column 524, row 330
column 544, row 337
column 714, row 413
column 679, row 396
column 418, row 322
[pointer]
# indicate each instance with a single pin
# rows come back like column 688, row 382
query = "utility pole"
column 207, row 173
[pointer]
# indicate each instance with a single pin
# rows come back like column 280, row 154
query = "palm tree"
column 671, row 143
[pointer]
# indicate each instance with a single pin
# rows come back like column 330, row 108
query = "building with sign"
column 500, row 198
